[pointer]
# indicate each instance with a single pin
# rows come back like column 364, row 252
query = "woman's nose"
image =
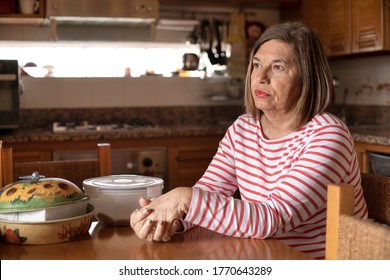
column 263, row 75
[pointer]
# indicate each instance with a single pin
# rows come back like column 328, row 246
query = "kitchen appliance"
column 150, row 161
column 102, row 20
column 190, row 61
column 85, row 126
column 214, row 40
column 84, row 10
column 116, row 197
column 380, row 163
column 10, row 90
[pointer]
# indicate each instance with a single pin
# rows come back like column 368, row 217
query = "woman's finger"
column 143, row 201
column 171, row 230
column 159, row 231
column 138, row 215
column 144, row 228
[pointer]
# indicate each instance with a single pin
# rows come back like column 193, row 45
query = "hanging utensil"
column 210, row 38
column 205, row 34
column 219, row 55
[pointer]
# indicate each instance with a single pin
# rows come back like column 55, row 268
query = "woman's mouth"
column 261, row 93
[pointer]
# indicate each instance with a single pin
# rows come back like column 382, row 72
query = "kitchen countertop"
column 44, row 135
column 370, row 134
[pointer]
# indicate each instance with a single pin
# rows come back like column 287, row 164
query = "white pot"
column 115, row 197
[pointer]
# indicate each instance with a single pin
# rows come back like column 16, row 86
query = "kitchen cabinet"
column 345, row 27
column 312, row 13
column 226, row 3
column 187, row 164
column 370, row 25
column 357, row 26
column 19, row 17
column 338, row 27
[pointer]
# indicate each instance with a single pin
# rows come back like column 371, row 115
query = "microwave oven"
column 10, row 90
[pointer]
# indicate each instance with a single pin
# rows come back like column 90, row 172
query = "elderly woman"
column 281, row 155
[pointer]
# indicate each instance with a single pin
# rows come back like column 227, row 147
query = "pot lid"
column 123, row 182
column 37, row 192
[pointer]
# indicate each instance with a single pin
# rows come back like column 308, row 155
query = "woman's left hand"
column 159, row 218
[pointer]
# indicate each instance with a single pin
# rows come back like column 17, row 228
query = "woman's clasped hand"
column 159, row 219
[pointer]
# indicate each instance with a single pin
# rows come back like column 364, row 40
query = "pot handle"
column 34, row 176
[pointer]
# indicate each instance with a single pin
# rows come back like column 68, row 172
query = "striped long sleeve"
column 283, row 183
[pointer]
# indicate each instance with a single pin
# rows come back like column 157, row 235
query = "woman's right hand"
column 159, row 218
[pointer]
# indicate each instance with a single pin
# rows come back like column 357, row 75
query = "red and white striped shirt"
column 283, row 183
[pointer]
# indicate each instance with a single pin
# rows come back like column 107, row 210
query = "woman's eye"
column 278, row 67
column 256, row 65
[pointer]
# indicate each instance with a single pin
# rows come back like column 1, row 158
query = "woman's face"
column 275, row 83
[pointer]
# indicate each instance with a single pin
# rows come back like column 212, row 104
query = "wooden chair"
column 75, row 171
column 376, row 190
column 349, row 237
column 1, row 164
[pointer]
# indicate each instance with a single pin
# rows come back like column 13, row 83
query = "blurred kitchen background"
column 71, row 60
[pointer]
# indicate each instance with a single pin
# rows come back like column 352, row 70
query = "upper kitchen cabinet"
column 346, row 27
column 124, row 9
column 370, row 25
column 357, row 26
column 79, row 11
column 338, row 28
column 312, row 12
column 22, row 11
column 225, row 3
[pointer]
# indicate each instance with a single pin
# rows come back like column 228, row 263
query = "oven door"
column 9, row 94
column 149, row 161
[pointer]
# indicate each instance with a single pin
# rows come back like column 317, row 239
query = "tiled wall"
column 363, row 80
column 364, row 89
column 149, row 91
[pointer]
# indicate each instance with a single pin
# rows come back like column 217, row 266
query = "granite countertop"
column 45, row 135
column 370, row 134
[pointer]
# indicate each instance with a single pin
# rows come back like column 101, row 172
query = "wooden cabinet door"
column 368, row 25
column 338, row 27
column 313, row 15
column 186, row 165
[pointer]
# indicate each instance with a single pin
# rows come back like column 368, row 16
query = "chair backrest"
column 349, row 237
column 1, row 164
column 376, row 190
column 75, row 171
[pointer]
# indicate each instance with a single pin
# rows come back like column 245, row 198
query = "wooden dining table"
column 121, row 243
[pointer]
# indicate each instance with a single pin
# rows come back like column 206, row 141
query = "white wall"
column 365, row 80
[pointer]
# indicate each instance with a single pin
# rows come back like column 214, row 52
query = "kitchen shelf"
column 19, row 18
column 23, row 21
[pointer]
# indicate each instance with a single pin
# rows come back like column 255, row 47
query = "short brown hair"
column 317, row 91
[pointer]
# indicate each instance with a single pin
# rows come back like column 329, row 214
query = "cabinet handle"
column 366, row 43
column 367, row 37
